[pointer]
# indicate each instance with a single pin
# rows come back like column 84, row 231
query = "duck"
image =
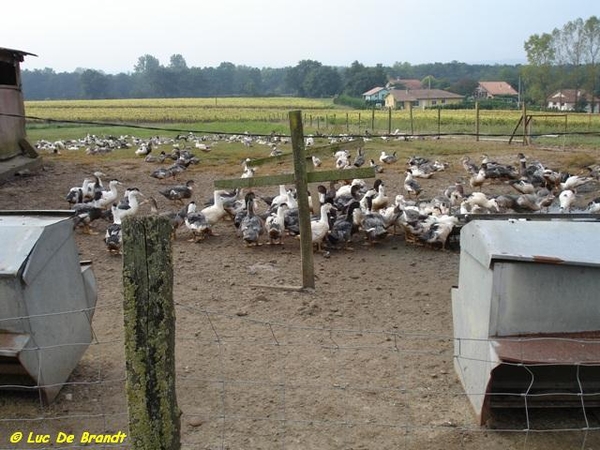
column 316, row 161
column 81, row 194
column 144, row 149
column 252, row 226
column 470, row 167
column 439, row 230
column 566, row 200
column 153, row 159
column 215, row 212
column 375, row 166
column 178, row 193
column 320, row 227
column 344, row 228
column 275, row 225
column 106, row 197
column 380, row 200
column 455, row 193
column 124, row 210
column 477, row 180
column 248, row 172
column 482, row 201
column 372, row 223
column 522, row 185
column 86, row 213
column 593, row 206
column 113, row 238
column 573, row 182
column 410, row 185
column 388, row 159
column 196, row 222
column 359, row 160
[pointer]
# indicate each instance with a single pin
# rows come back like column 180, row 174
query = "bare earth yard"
column 365, row 361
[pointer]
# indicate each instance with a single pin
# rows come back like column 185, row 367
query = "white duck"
column 319, row 228
column 566, row 200
column 131, row 208
column 215, row 212
column 107, row 197
column 248, row 172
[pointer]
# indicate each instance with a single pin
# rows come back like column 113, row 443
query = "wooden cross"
column 301, row 177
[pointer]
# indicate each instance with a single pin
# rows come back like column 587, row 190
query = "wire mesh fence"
column 245, row 383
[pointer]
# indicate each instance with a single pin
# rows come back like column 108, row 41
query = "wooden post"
column 477, row 121
column 347, row 124
column 358, row 123
column 390, row 120
column 306, row 246
column 410, row 113
column 524, row 124
column 439, row 121
column 149, row 316
column 373, row 119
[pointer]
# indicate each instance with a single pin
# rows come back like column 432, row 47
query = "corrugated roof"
column 497, row 88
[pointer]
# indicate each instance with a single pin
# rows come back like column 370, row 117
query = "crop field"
column 270, row 115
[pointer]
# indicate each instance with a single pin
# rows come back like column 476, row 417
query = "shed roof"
column 532, row 241
column 412, row 95
column 17, row 54
column 497, row 88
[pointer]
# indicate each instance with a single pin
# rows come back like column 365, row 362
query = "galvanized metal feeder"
column 47, row 300
column 526, row 314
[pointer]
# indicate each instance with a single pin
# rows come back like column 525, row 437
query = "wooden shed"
column 16, row 154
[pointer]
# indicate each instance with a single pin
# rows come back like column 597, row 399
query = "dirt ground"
column 365, row 361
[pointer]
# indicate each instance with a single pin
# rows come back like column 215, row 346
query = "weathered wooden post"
column 306, row 246
column 410, row 114
column 477, row 121
column 525, row 141
column 149, row 316
column 390, row 120
column 439, row 121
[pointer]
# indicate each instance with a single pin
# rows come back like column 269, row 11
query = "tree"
column 296, row 75
column 177, row 62
column 322, row 81
column 538, row 75
column 94, row 84
column 359, row 79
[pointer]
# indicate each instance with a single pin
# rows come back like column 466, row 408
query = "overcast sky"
column 110, row 35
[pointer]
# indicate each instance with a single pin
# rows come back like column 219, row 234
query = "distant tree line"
column 566, row 58
column 308, row 78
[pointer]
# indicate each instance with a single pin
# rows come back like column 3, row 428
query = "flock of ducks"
column 345, row 212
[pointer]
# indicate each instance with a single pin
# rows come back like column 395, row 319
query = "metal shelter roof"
column 570, row 242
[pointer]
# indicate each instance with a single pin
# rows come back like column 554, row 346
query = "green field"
column 262, row 116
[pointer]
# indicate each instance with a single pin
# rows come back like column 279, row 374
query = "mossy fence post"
column 149, row 317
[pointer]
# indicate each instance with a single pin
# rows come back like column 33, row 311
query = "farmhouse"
column 494, row 89
column 420, row 98
column 573, row 99
column 375, row 95
column 16, row 154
